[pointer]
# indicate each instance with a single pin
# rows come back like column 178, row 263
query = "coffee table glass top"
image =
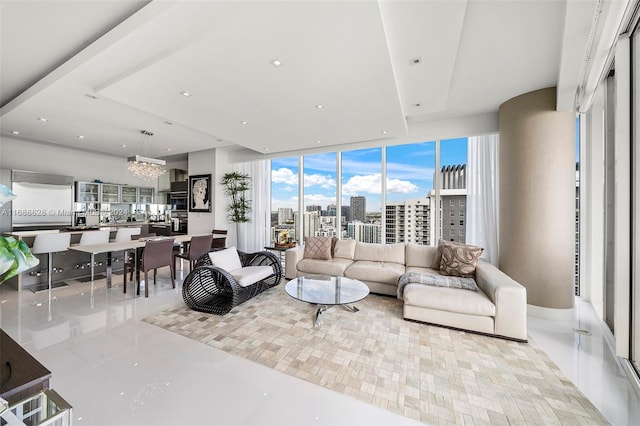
column 327, row 290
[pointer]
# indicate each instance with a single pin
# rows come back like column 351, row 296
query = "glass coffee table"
column 327, row 291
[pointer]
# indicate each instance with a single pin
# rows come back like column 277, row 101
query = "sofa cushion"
column 317, row 248
column 382, row 272
column 459, row 260
column 251, row 274
column 437, row 258
column 345, row 249
column 420, row 255
column 393, row 253
column 226, row 259
column 335, row 266
column 449, row 299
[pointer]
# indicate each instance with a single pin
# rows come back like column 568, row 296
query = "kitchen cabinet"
column 87, row 192
column 109, row 193
column 129, row 194
column 145, row 195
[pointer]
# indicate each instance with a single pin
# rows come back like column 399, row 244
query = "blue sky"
column 409, row 174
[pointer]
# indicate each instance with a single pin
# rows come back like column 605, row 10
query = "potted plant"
column 15, row 256
column 236, row 185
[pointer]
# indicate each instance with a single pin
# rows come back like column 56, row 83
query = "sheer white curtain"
column 482, row 195
column 254, row 235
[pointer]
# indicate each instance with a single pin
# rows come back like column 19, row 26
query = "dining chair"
column 198, row 246
column 124, row 234
column 219, row 242
column 156, row 254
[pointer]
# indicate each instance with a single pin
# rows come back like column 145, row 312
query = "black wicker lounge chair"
column 213, row 290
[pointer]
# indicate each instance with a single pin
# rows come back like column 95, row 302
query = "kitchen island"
column 71, row 265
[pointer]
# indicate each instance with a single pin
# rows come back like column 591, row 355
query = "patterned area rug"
column 428, row 373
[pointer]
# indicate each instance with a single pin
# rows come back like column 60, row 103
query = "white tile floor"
column 115, row 369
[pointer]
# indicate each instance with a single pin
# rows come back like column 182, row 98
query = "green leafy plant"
column 235, row 186
column 15, row 257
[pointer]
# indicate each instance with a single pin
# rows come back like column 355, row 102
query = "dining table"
column 117, row 246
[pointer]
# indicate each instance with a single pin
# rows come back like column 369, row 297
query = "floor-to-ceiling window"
column 361, row 175
column 319, row 180
column 284, row 199
column 453, row 189
column 410, row 171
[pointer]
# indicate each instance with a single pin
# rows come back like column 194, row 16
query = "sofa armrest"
column 509, row 297
column 291, row 258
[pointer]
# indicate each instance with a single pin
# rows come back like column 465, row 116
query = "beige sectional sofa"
column 499, row 307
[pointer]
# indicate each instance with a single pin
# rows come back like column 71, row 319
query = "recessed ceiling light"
column 384, row 132
column 43, row 119
column 90, row 96
column 417, row 105
column 415, row 61
column 266, row 148
column 277, row 63
column 319, row 106
column 185, row 93
column 168, row 149
column 218, row 140
column 169, row 123
column 243, row 122
column 15, row 132
column 80, row 137
column 124, row 146
column 317, row 141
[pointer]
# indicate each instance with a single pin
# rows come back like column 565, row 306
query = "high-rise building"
column 358, row 208
column 285, row 215
column 332, row 209
column 364, row 232
column 311, row 222
column 453, row 203
column 408, row 221
column 314, row 208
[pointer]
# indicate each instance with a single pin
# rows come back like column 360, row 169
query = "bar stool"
column 49, row 244
column 91, row 238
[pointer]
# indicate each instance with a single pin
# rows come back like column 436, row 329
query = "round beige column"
column 537, row 197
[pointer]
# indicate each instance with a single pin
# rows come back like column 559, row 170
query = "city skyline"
column 410, row 171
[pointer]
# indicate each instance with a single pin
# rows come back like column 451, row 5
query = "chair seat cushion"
column 251, row 274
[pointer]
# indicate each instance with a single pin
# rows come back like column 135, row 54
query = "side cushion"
column 226, row 259
column 317, row 248
column 393, row 253
column 382, row 272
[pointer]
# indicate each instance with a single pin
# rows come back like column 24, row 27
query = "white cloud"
column 324, row 181
column 284, row 175
column 291, row 203
column 370, row 184
column 401, row 186
column 319, row 200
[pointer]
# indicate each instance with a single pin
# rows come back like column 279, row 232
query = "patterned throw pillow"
column 317, row 248
column 459, row 260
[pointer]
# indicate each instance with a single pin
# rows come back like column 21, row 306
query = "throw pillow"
column 226, row 259
column 459, row 260
column 345, row 249
column 438, row 257
column 317, row 248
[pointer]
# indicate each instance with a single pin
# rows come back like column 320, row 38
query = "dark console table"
column 21, row 375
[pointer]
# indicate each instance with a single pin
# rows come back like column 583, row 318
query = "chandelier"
column 143, row 167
